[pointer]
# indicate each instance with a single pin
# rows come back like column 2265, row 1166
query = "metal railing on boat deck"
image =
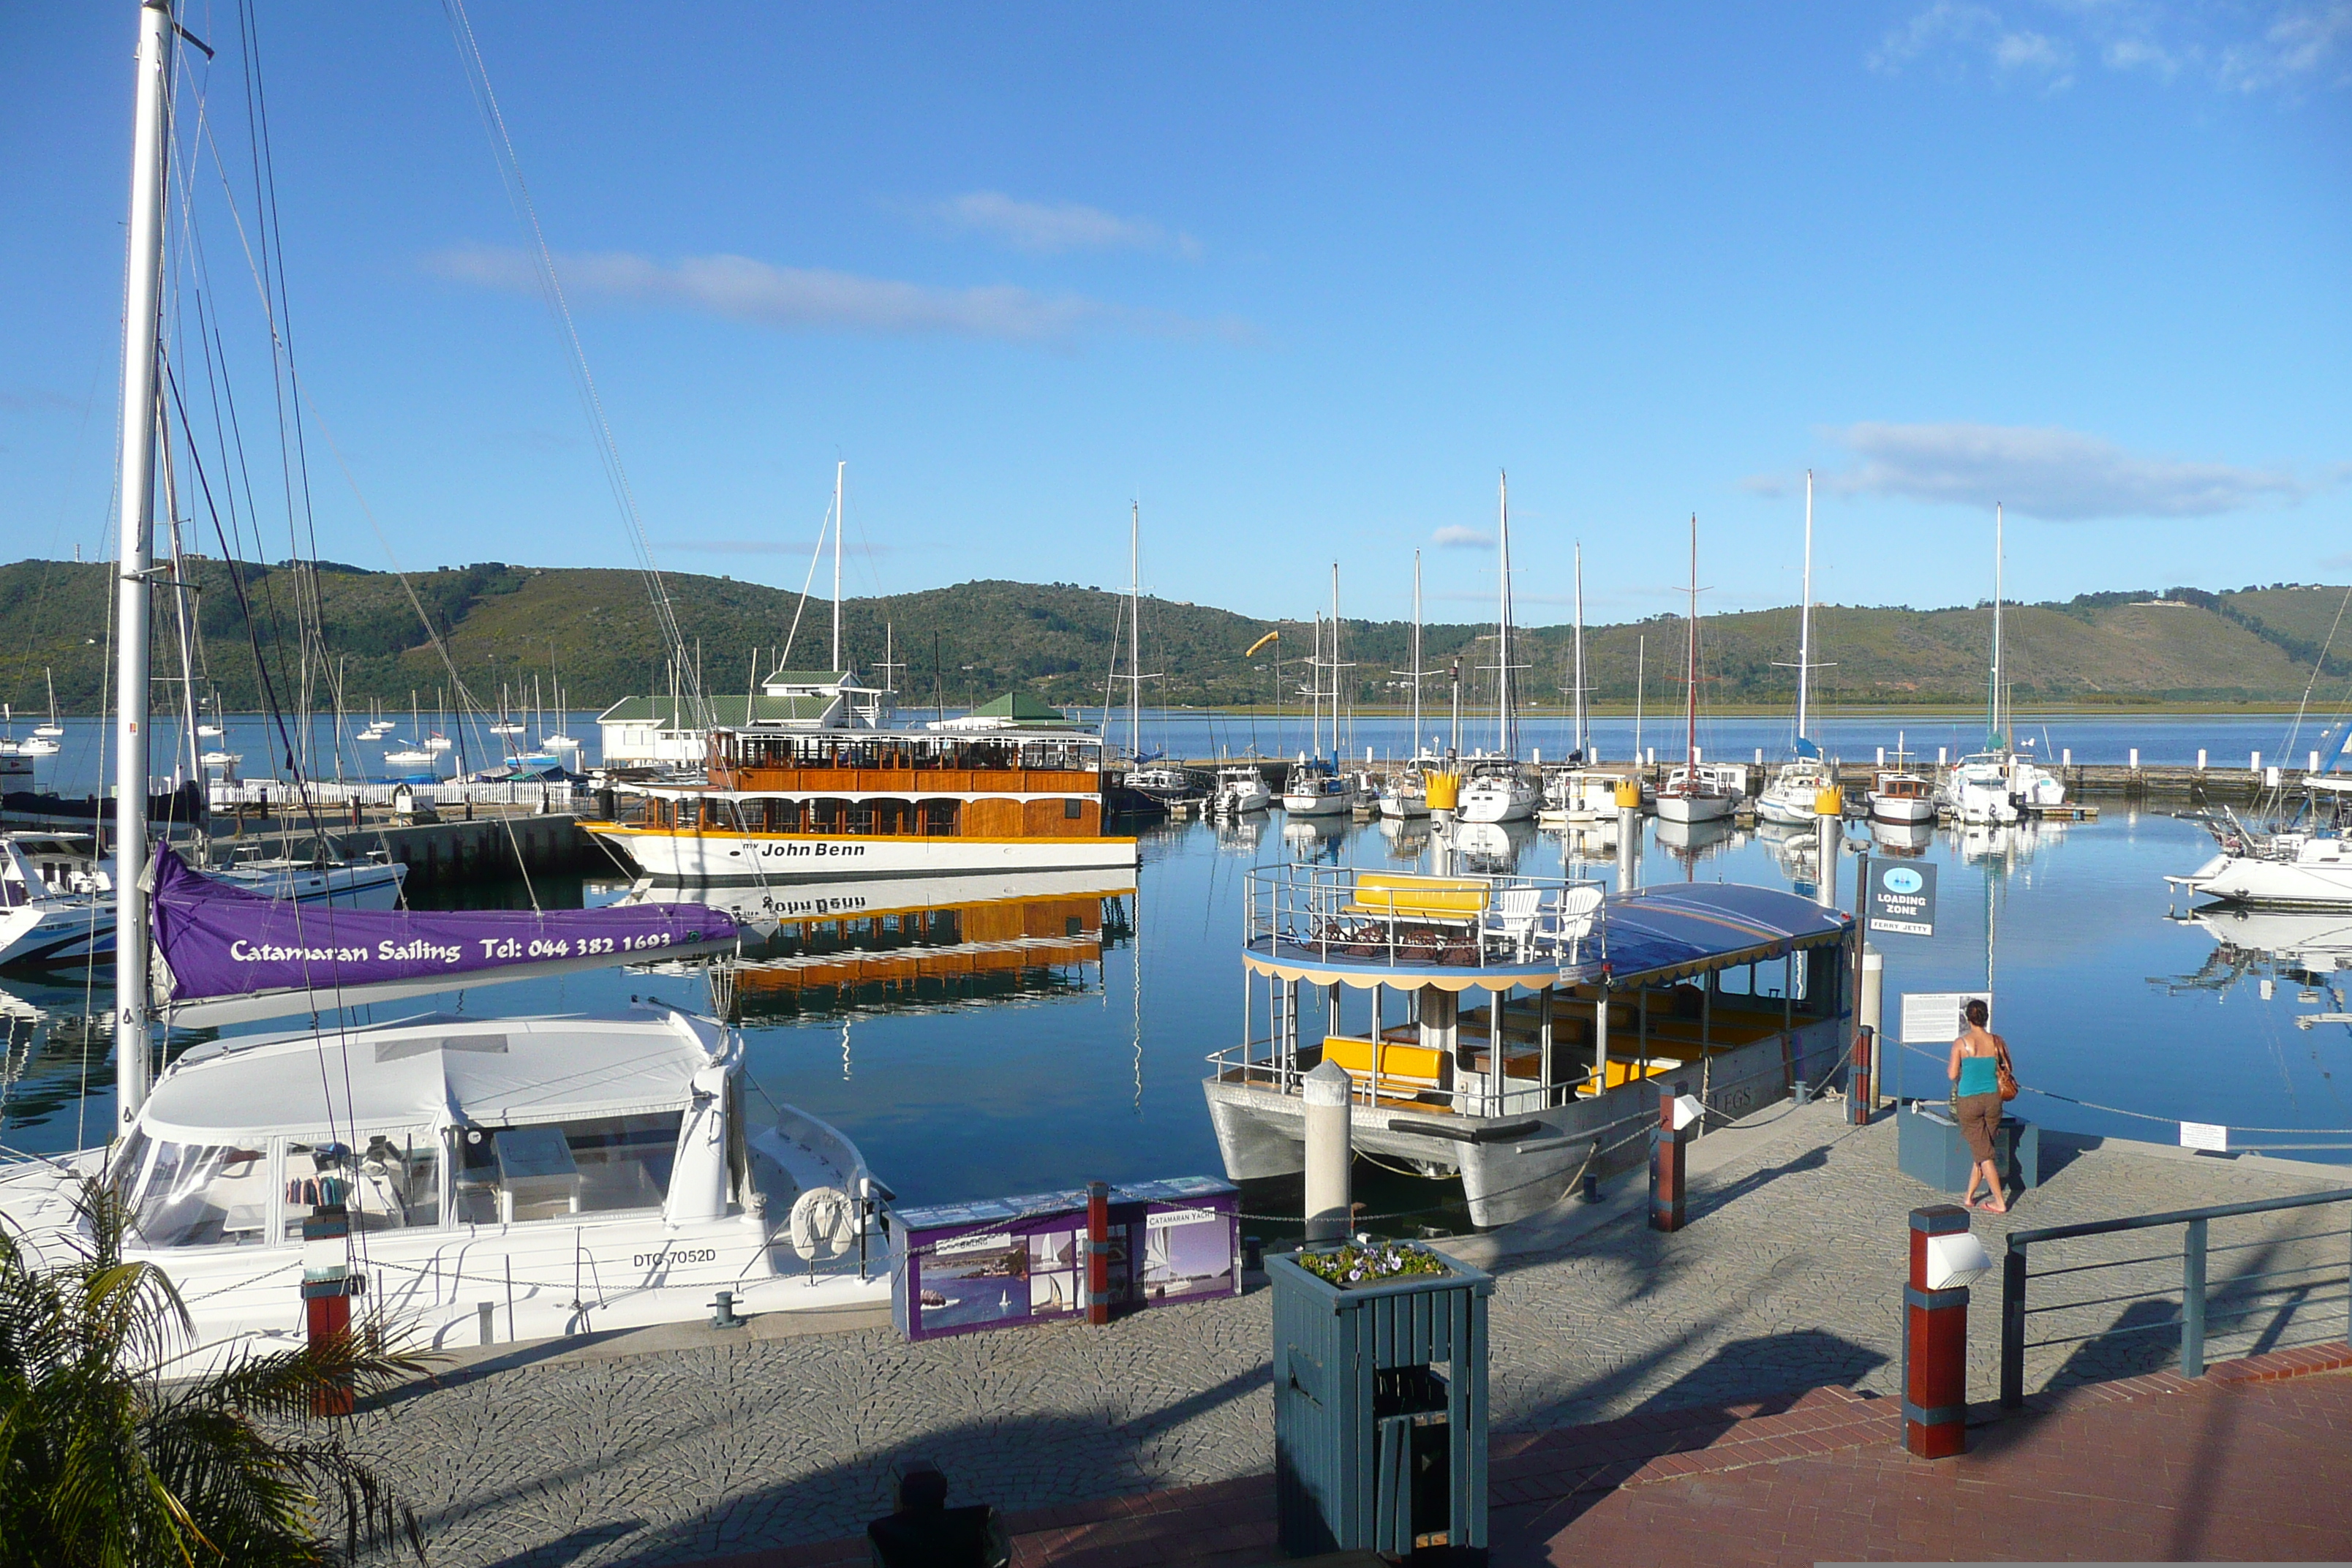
column 1358, row 916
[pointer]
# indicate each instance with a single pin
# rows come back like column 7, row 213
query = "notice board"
column 992, row 1263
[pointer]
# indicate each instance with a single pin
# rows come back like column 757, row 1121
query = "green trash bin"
column 1380, row 1406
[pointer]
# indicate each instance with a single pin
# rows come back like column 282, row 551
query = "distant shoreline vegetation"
column 2175, row 649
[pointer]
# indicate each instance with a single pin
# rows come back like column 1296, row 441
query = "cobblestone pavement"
column 1789, row 1275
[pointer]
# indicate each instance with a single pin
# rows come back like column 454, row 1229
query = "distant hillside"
column 593, row 630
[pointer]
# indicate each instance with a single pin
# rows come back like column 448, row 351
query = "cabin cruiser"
column 1977, row 789
column 1506, row 1030
column 506, row 1179
column 1241, row 788
column 1166, row 782
column 1499, row 789
column 1573, row 794
column 1316, row 789
column 1902, row 798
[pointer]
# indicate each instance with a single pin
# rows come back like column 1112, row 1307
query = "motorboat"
column 372, row 884
column 1499, row 789
column 1315, row 788
column 1406, row 795
column 1572, row 793
column 1976, row 790
column 504, row 1179
column 1169, row 783
column 1902, row 798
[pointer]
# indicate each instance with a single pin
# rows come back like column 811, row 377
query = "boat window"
column 388, row 1181
column 193, row 1195
column 594, row 1166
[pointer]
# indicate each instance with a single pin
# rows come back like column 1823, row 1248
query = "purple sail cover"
column 224, row 941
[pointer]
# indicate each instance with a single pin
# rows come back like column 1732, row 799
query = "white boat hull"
column 1319, row 804
column 68, row 930
column 1499, row 805
column 812, row 857
column 1398, row 805
column 1902, row 810
column 1784, row 810
column 2304, row 883
column 1690, row 809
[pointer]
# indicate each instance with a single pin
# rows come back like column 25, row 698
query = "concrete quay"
column 687, row 1443
column 494, row 843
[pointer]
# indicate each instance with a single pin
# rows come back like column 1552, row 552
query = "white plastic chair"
column 1518, row 912
column 1580, row 912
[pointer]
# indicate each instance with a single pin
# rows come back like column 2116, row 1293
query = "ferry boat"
column 794, row 805
column 1516, row 1031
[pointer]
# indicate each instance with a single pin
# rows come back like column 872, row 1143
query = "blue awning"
column 1666, row 933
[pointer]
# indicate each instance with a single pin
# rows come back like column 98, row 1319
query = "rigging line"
column 785, row 660
column 477, row 80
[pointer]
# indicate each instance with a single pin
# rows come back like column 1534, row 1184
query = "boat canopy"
column 1662, row 934
column 231, row 955
column 438, row 1070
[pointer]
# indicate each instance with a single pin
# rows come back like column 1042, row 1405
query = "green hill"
column 593, row 630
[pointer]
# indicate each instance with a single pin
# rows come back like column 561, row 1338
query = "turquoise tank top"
column 1978, row 1075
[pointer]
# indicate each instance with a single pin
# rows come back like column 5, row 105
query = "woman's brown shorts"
column 1979, row 1119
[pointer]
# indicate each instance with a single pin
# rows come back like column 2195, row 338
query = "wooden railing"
column 906, row 781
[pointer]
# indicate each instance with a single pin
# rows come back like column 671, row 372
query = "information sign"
column 1902, row 898
column 1933, row 1018
column 2205, row 1135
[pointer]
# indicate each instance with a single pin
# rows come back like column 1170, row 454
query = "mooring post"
column 1326, row 1092
column 1666, row 1156
column 328, row 1286
column 1943, row 1258
column 1857, row 1077
column 1098, row 1253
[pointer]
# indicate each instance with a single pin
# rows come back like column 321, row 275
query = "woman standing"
column 1977, row 1057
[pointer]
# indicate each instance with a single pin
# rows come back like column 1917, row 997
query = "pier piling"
column 1326, row 1092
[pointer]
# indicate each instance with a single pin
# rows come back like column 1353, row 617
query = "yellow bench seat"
column 1411, row 1068
column 1445, row 898
column 1623, row 1071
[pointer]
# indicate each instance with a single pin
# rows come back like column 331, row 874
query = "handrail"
column 2190, row 1322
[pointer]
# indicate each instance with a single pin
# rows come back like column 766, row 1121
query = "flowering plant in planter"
column 1357, row 1264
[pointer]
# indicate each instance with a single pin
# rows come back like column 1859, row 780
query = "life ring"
column 823, row 1223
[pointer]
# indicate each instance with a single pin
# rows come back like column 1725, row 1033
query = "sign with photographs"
column 994, row 1262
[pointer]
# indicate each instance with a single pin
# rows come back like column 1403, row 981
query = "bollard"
column 1328, row 1152
column 1829, row 825
column 485, row 1316
column 1943, row 755
column 2134, row 759
column 1676, row 1112
column 1944, row 1259
column 1628, row 838
column 1698, row 755
column 1592, row 1185
column 1759, row 756
column 2066, row 757
column 2270, row 778
column 328, row 1287
column 2253, row 761
column 1881, row 756
column 2312, row 766
column 2200, row 759
column 1858, row 1100
column 1098, row 1253
column 722, row 1311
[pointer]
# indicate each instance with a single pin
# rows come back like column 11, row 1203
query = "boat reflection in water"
column 1908, row 840
column 2303, row 953
column 1692, row 842
column 919, row 942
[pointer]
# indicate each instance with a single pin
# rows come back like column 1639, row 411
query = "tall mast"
column 839, row 470
column 1335, row 665
column 1690, row 679
column 1135, row 629
column 1417, row 657
column 1503, row 617
column 142, row 330
column 1805, row 615
column 1992, row 685
column 1577, row 696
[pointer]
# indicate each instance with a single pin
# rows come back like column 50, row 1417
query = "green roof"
column 1021, row 708
column 723, row 709
column 806, row 677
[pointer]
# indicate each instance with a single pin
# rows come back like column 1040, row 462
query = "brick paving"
column 1788, row 1275
column 2250, row 1462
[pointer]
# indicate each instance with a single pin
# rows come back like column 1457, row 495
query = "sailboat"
column 1407, row 795
column 1314, row 787
column 1501, row 788
column 52, row 730
column 600, row 1168
column 1578, row 791
column 1695, row 793
column 1998, row 784
column 1791, row 798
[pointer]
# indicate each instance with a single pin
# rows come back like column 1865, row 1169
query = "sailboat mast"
column 1578, row 697
column 142, row 329
column 1503, row 617
column 840, row 472
column 1417, row 657
column 1135, row 630
column 1805, row 615
column 1992, row 687
column 1335, row 666
column 1690, row 679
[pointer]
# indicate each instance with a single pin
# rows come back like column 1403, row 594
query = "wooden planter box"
column 1379, row 1410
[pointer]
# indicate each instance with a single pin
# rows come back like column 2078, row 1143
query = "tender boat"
column 1512, row 1031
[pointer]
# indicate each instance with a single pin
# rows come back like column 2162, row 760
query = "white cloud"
column 2060, row 475
column 2271, row 44
column 1453, row 536
column 1042, row 228
column 740, row 288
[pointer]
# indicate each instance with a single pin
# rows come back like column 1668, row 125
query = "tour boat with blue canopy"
column 1411, row 982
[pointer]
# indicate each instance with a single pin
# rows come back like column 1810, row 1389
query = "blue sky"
column 1302, row 280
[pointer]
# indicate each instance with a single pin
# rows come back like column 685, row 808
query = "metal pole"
column 2192, row 1300
column 141, row 316
column 839, row 470
column 2013, row 1328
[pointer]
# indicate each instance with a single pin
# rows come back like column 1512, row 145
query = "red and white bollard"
column 328, row 1287
column 1098, row 1252
column 1944, row 1259
column 1858, row 1098
column 1677, row 1114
